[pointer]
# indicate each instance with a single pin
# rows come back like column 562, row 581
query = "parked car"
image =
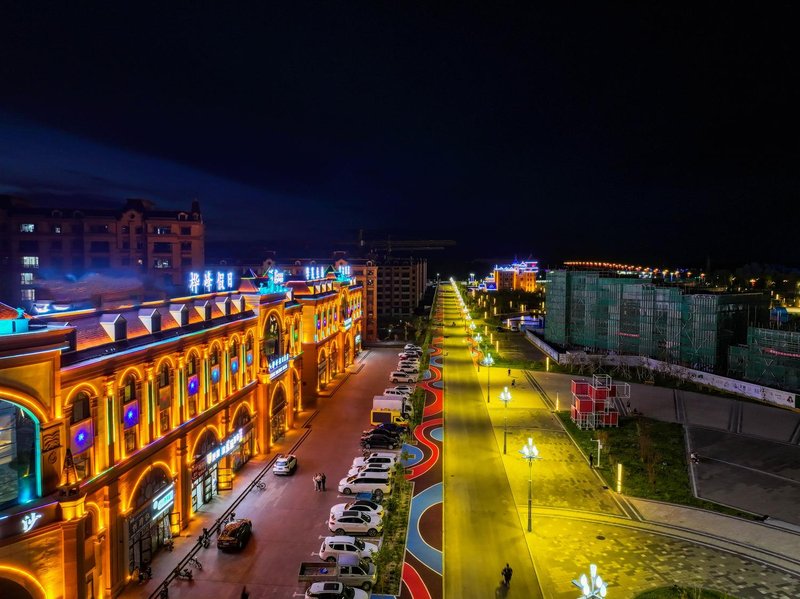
column 408, row 369
column 377, row 484
column 377, row 457
column 408, row 355
column 395, row 428
column 334, row 590
column 369, row 468
column 285, row 464
column 411, row 346
column 407, row 388
column 380, row 442
column 402, row 377
column 395, row 392
column 333, row 547
column 367, row 507
column 353, row 522
column 403, row 364
column 383, row 432
column 235, row 534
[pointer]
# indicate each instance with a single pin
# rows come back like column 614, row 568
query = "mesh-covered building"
column 598, row 312
column 770, row 358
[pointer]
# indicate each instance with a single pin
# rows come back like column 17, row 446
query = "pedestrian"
column 513, row 382
column 629, row 405
column 316, row 481
column 507, row 572
column 509, row 372
column 245, row 594
column 591, row 460
column 233, row 516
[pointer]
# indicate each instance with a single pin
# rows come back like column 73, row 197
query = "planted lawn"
column 653, row 458
column 676, row 592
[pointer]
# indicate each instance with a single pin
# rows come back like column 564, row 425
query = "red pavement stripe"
column 419, row 433
column 414, row 583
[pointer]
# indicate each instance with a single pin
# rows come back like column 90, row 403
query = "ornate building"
column 117, row 428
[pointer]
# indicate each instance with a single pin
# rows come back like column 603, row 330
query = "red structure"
column 594, row 404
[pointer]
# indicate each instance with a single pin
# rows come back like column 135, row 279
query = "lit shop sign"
column 279, row 365
column 347, row 323
column 214, row 456
column 209, row 281
column 358, row 338
column 162, row 502
column 25, row 522
column 315, row 272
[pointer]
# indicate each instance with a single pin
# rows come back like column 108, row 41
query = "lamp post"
column 505, row 397
column 592, row 587
column 488, row 361
column 530, row 453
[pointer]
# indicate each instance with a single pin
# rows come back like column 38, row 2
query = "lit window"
column 57, row 229
column 30, row 261
column 29, row 294
column 162, row 230
column 161, row 263
column 27, row 228
column 26, row 278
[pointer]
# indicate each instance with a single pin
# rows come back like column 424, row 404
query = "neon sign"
column 163, row 502
column 29, row 521
column 279, row 365
column 214, row 456
column 348, row 322
column 209, row 281
column 315, row 272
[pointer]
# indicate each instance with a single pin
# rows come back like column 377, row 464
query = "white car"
column 333, row 547
column 370, row 508
column 402, row 377
column 405, row 388
column 376, row 457
column 355, row 523
column 334, row 590
column 408, row 355
column 396, row 392
column 412, row 369
column 370, row 468
column 375, row 482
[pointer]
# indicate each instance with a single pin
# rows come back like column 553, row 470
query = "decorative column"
column 183, row 488
column 150, row 401
column 262, row 412
column 183, row 409
column 225, row 367
column 112, row 453
column 205, row 375
column 72, row 542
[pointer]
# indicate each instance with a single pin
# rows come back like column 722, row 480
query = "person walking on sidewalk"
column 322, row 479
column 509, row 372
column 317, row 481
column 591, row 460
column 507, row 572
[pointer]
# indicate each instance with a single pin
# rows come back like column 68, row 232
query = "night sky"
column 640, row 134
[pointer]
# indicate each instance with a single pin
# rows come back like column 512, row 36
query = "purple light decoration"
column 130, row 414
column 82, row 436
column 193, row 385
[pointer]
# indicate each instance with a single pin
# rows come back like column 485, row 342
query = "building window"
column 98, row 229
column 139, row 230
column 28, row 295
column 126, row 245
column 161, row 263
column 100, row 246
column 186, row 246
column 186, row 230
column 26, row 278
column 165, row 230
column 27, row 228
column 77, row 245
column 125, row 261
column 28, row 245
column 101, row 262
column 126, row 229
column 56, row 245
column 30, row 261
column 57, row 229
column 81, row 412
column 162, row 248
column 186, row 261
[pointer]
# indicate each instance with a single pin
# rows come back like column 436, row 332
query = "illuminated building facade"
column 37, row 243
column 117, row 427
column 519, row 276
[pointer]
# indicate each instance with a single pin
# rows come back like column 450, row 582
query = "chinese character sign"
column 194, row 282
column 220, row 281
column 208, row 281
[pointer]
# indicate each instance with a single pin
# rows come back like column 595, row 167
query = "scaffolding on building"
column 771, row 358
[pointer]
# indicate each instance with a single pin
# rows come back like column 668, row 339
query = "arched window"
column 81, row 432
column 248, row 358
column 164, row 397
column 216, row 375
column 192, row 383
column 271, row 348
column 234, row 365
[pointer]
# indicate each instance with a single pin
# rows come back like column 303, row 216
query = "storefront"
column 246, row 448
column 150, row 525
column 277, row 423
column 205, row 470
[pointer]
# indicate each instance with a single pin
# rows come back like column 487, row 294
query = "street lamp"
column 530, row 453
column 488, row 361
column 592, row 587
column 505, row 397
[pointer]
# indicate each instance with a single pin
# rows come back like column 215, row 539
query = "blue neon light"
column 130, row 414
column 193, row 386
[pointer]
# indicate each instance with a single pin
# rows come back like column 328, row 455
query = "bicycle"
column 261, row 485
column 193, row 561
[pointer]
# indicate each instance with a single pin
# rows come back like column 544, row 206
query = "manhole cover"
column 601, row 538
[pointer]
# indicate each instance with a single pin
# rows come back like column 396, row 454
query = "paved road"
column 289, row 517
column 482, row 530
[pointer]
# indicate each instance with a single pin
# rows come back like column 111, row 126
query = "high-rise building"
column 401, row 286
column 37, row 243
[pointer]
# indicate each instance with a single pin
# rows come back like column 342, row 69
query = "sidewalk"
column 165, row 561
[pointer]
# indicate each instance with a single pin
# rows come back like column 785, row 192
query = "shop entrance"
column 149, row 528
column 277, row 423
